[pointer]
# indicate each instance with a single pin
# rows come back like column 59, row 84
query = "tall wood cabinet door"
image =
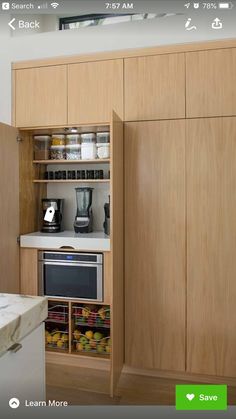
column 9, row 219
column 211, row 83
column 155, row 87
column 94, row 89
column 117, row 251
column 155, row 245
column 41, row 96
column 211, row 244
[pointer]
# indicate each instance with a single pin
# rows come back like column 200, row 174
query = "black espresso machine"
column 52, row 215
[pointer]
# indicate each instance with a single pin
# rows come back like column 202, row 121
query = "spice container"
column 88, row 146
column 72, row 139
column 103, row 145
column 41, row 147
column 58, row 139
column 58, row 152
column 73, row 152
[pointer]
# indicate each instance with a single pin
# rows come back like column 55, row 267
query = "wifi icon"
column 54, row 5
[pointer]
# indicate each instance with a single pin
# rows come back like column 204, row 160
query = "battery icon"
column 225, row 5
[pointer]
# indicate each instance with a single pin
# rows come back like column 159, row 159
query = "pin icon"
column 14, row 403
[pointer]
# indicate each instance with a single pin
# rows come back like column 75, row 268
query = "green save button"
column 201, row 397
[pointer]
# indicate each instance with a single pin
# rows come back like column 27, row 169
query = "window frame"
column 74, row 19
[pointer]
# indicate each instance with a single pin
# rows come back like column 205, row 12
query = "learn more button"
column 201, row 397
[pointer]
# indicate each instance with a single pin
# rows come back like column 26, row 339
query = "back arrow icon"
column 10, row 24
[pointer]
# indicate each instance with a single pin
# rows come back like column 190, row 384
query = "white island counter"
column 22, row 348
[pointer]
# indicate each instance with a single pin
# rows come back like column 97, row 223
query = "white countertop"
column 96, row 241
column 19, row 316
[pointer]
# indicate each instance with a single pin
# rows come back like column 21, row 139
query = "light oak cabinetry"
column 9, row 219
column 155, row 244
column 211, row 83
column 94, row 89
column 41, row 96
column 29, row 271
column 211, row 244
column 155, row 87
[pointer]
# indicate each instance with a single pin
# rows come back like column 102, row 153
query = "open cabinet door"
column 9, row 208
column 117, row 249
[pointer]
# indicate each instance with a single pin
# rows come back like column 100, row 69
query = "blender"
column 84, row 215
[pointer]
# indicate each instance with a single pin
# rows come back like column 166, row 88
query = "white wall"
column 93, row 39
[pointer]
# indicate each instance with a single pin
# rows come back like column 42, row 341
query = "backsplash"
column 67, row 192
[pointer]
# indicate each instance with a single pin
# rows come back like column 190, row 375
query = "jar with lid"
column 103, row 145
column 41, row 147
column 72, row 139
column 57, row 152
column 73, row 152
column 88, row 146
column 58, row 139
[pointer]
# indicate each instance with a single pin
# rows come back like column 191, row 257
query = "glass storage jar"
column 88, row 146
column 41, row 147
column 58, row 152
column 103, row 145
column 73, row 152
column 72, row 139
column 58, row 139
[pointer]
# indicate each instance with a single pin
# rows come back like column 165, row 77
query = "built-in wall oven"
column 71, row 275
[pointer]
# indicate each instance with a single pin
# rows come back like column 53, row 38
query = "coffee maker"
column 84, row 214
column 52, row 215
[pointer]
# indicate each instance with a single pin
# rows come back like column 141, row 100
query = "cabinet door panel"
column 94, row 89
column 155, row 87
column 155, row 244
column 9, row 219
column 211, row 244
column 41, row 96
column 211, row 83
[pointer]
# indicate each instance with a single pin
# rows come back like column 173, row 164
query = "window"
column 76, row 22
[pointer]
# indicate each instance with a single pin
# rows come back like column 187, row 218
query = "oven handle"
column 87, row 265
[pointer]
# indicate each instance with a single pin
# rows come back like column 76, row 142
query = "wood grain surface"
column 155, row 245
column 211, row 83
column 155, row 87
column 211, row 239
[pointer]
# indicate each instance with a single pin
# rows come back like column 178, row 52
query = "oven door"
column 71, row 280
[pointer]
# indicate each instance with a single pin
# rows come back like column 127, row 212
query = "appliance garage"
column 74, row 231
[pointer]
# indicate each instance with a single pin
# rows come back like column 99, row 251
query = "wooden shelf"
column 72, row 181
column 95, row 161
column 103, row 355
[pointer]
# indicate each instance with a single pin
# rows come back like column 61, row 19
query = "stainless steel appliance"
column 106, row 224
column 71, row 275
column 84, row 214
column 52, row 215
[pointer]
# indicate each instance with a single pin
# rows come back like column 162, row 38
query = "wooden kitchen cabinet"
column 41, row 96
column 211, row 244
column 155, row 87
column 9, row 219
column 211, row 83
column 29, row 271
column 23, row 370
column 155, row 245
column 94, row 89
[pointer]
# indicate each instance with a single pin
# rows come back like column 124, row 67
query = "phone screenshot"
column 118, row 209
